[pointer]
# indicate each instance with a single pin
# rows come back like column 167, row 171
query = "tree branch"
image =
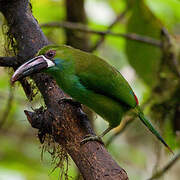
column 85, row 29
column 8, row 61
column 170, row 53
column 92, row 159
column 102, row 38
column 166, row 168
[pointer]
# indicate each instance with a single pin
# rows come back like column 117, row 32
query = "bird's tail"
column 148, row 124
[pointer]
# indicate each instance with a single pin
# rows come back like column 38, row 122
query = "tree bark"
column 65, row 122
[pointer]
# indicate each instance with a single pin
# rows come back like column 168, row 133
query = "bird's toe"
column 70, row 101
column 90, row 137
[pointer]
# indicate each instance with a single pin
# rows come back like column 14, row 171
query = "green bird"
column 89, row 80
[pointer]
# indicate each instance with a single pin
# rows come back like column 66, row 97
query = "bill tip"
column 12, row 81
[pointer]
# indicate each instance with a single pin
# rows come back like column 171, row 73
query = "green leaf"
column 167, row 11
column 144, row 58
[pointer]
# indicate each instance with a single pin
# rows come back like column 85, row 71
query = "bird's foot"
column 70, row 101
column 91, row 137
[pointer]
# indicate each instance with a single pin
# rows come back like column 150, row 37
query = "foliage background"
column 136, row 149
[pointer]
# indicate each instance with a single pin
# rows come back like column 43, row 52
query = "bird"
column 89, row 80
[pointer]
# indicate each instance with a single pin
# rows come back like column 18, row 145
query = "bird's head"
column 44, row 61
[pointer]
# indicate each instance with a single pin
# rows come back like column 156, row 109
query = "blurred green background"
column 136, row 150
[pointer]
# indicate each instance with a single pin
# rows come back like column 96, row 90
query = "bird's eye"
column 50, row 54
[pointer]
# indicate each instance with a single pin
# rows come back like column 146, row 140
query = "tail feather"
column 148, row 124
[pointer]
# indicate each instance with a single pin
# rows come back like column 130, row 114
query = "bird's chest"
column 70, row 85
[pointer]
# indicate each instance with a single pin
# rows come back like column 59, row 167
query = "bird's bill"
column 32, row 66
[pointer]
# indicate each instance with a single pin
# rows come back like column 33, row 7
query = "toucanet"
column 89, row 80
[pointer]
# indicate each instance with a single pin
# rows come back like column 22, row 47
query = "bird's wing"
column 97, row 75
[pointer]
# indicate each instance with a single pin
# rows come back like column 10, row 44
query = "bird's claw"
column 70, row 101
column 91, row 137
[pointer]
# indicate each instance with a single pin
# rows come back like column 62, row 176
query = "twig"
column 8, row 108
column 165, row 33
column 166, row 168
column 102, row 38
column 8, row 61
column 85, row 29
column 168, row 46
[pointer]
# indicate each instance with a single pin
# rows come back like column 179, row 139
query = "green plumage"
column 89, row 80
